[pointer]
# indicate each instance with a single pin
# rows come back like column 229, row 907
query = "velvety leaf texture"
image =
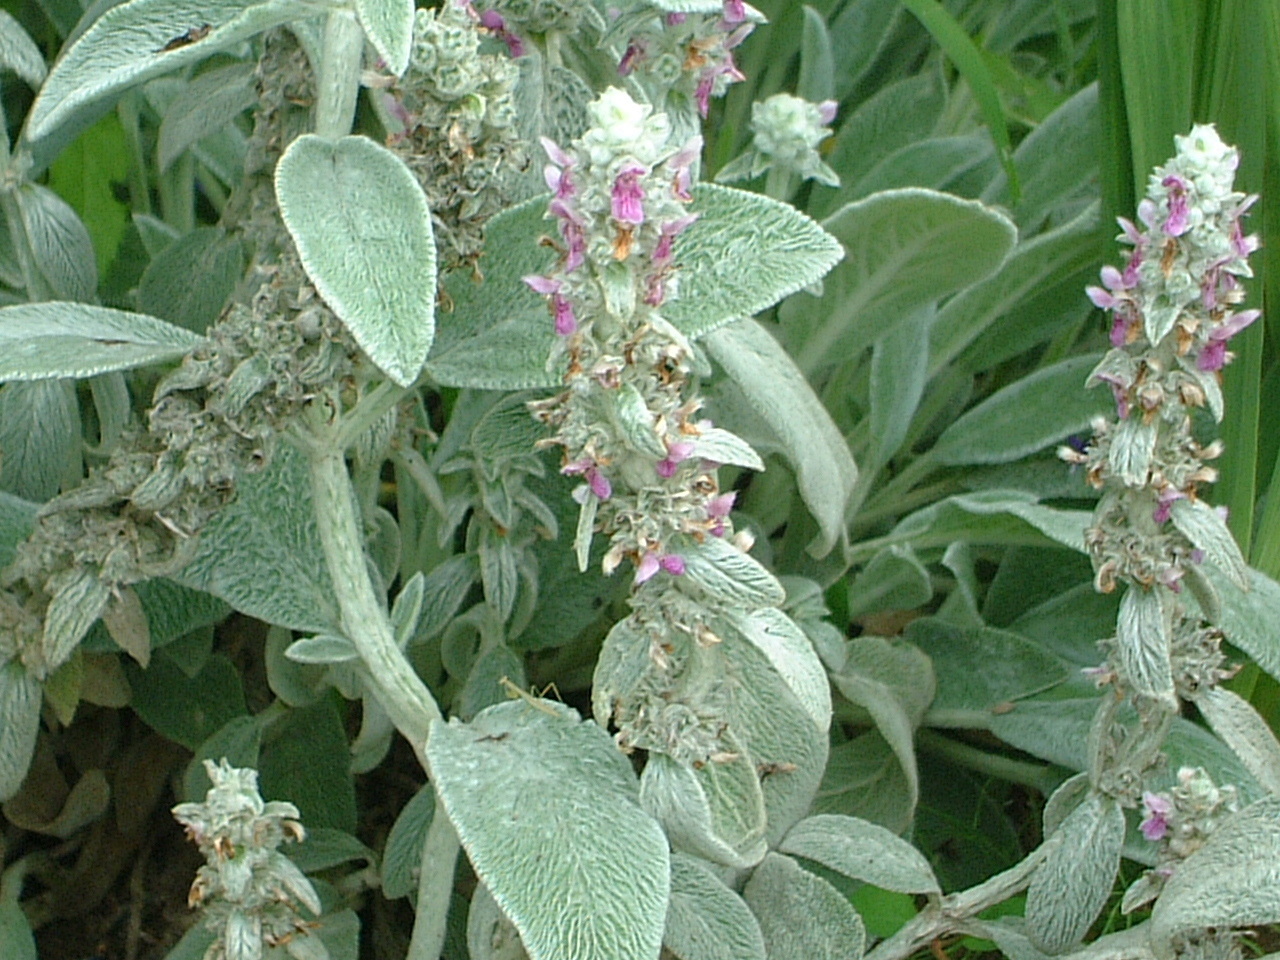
column 1244, row 731
column 861, row 850
column 744, row 253
column 904, row 248
column 1249, row 617
column 705, row 919
column 19, row 722
column 364, row 233
column 777, row 391
column 1233, row 880
column 262, row 553
column 389, row 26
column 126, row 46
column 1026, row 416
column 1070, row 887
column 545, row 807
column 42, row 341
column 802, row 916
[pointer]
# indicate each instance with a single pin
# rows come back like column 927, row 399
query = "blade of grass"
column 1233, row 57
column 968, row 59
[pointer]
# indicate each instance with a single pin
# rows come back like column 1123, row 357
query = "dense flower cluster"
column 787, row 132
column 455, row 107
column 1180, row 820
column 627, row 421
column 251, row 893
column 1173, row 315
column 686, row 53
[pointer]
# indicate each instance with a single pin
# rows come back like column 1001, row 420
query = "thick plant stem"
column 435, row 885
column 338, row 76
column 950, row 913
column 401, row 692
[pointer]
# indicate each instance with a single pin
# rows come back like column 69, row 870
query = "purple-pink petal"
column 566, row 322
column 827, row 111
column 1213, row 356
column 647, row 567
column 673, row 563
column 599, row 483
column 558, row 156
column 720, row 506
column 628, row 195
column 544, row 285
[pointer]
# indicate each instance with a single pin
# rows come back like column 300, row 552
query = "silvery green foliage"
column 363, row 232
column 861, row 850
column 576, row 865
column 1070, row 887
column 252, row 894
column 46, row 341
column 802, row 916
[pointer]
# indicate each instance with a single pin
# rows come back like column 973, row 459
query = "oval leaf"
column 813, row 444
column 861, row 850
column 1074, row 881
column 389, row 26
column 802, row 916
column 903, row 249
column 1025, row 416
column 546, row 808
column 45, row 341
column 791, row 654
column 142, row 39
column 1244, row 731
column 363, row 230
column 19, row 723
column 705, row 919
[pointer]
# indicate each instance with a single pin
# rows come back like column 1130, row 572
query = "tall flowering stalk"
column 1173, row 307
column 627, row 421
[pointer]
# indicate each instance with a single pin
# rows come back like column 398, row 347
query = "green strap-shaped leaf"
column 862, row 850
column 546, row 807
column 903, row 249
column 1248, row 617
column 776, row 389
column 54, row 340
column 802, row 916
column 141, row 39
column 1028, row 415
column 389, row 26
column 705, row 919
column 744, row 253
column 1232, row 881
column 363, row 230
column 993, row 516
column 402, row 855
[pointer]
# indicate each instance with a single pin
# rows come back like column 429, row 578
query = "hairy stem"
column 950, row 913
column 401, row 692
column 435, row 885
column 338, row 75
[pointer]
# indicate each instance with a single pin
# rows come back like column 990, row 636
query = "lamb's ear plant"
column 650, row 445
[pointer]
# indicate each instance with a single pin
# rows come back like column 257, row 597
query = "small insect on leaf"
column 514, row 691
column 194, row 35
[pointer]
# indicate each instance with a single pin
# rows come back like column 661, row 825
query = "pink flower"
column 1176, row 225
column 566, row 321
column 1158, row 808
column 628, row 195
column 735, row 11
column 492, row 20
column 633, row 55
column 827, row 111
column 680, row 166
column 543, row 285
column 647, row 567
column 673, row 563
column 703, row 94
column 1165, row 500
column 677, row 453
column 597, row 482
column 675, row 19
